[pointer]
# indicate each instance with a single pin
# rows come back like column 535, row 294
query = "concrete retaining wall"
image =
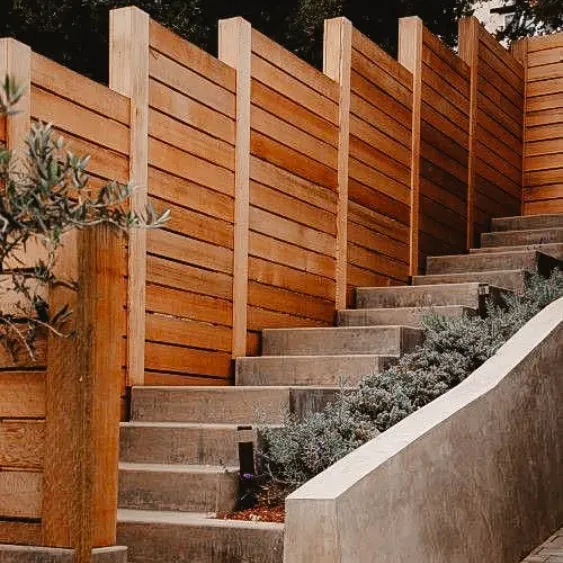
column 475, row 476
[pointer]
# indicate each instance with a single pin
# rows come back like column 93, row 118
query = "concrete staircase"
column 180, row 451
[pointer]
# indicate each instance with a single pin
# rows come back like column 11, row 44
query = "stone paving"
column 550, row 552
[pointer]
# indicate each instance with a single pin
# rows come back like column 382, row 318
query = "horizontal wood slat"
column 543, row 151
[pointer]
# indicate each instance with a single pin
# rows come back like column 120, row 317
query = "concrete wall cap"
column 349, row 471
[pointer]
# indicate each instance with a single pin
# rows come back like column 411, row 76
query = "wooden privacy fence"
column 288, row 187
column 542, row 58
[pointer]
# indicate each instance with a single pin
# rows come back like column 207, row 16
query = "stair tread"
column 531, row 231
column 405, row 309
column 542, row 247
column 180, row 425
column 236, row 388
column 168, row 468
column 503, row 250
column 317, row 357
column 339, row 328
column 127, row 515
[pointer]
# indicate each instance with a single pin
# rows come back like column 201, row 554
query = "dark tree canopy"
column 75, row 32
column 534, row 17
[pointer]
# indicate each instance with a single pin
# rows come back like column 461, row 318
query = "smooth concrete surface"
column 180, row 443
column 514, row 280
column 552, row 249
column 185, row 488
column 515, row 238
column 317, row 371
column 373, row 340
column 526, row 260
column 474, row 477
column 406, row 316
column 228, row 405
column 527, row 222
column 25, row 554
column 470, row 295
column 173, row 537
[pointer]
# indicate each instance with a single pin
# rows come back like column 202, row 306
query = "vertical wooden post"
column 520, row 51
column 15, row 62
column 129, row 75
column 235, row 49
column 469, row 52
column 338, row 66
column 410, row 56
column 83, row 398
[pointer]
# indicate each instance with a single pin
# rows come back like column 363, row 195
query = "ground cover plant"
column 44, row 194
column 453, row 349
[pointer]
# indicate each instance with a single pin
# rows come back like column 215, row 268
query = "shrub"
column 453, row 348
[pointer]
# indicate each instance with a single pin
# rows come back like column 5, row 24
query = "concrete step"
column 406, row 316
column 525, row 260
column 309, row 370
column 166, row 537
column 182, row 488
column 513, row 280
column 528, row 222
column 555, row 250
column 472, row 295
column 384, row 341
column 228, row 405
column 176, row 443
column 519, row 238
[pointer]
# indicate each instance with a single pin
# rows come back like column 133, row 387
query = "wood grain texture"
column 22, row 394
column 380, row 154
column 22, row 444
column 83, row 391
column 441, row 121
column 15, row 62
column 20, row 494
column 129, row 76
column 235, row 49
column 410, row 56
column 543, row 126
column 20, row 533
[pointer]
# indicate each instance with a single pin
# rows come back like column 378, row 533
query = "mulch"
column 257, row 514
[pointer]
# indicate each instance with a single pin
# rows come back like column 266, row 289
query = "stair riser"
column 156, row 405
column 513, row 281
column 379, row 298
column 519, row 238
column 385, row 341
column 553, row 250
column 176, row 446
column 168, row 491
column 531, row 222
column 410, row 317
column 318, row 371
column 531, row 261
column 151, row 543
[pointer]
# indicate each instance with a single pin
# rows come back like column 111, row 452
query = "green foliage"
column 453, row 349
column 534, row 17
column 43, row 195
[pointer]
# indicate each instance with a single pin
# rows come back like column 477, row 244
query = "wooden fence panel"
column 93, row 120
column 543, row 151
column 191, row 172
column 380, row 157
column 444, row 149
column 293, row 191
column 497, row 109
